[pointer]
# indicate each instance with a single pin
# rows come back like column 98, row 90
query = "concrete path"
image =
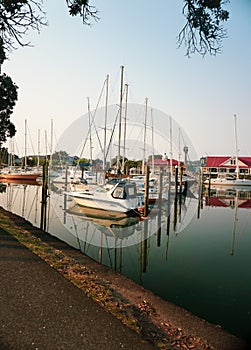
column 41, row 310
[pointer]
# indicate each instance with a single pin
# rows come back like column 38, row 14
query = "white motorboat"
column 122, row 197
column 228, row 181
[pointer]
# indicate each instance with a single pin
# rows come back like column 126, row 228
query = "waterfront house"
column 219, row 165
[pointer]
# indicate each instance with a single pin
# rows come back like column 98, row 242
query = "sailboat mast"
column 38, row 152
column 126, row 96
column 144, row 141
column 25, row 143
column 45, row 138
column 153, row 170
column 171, row 146
column 120, row 113
column 106, row 106
column 90, row 135
column 236, row 146
column 51, row 139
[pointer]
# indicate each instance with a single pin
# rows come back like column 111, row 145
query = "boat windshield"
column 119, row 192
column 123, row 191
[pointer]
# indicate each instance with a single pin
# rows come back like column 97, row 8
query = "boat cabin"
column 125, row 190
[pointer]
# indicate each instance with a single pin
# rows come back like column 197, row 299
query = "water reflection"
column 193, row 251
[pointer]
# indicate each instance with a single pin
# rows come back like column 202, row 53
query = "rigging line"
column 92, row 122
column 76, row 231
column 96, row 131
column 108, row 249
column 34, row 198
column 95, row 111
column 31, row 140
column 92, row 236
column 15, row 144
column 112, row 133
column 113, row 130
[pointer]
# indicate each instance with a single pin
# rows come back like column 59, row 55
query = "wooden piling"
column 44, row 196
column 146, row 197
column 176, row 180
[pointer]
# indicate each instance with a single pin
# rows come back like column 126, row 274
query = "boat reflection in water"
column 31, row 182
column 111, row 223
column 97, row 227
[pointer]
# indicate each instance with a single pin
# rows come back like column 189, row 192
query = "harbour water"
column 198, row 257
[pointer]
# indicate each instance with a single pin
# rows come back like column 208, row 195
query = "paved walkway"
column 40, row 309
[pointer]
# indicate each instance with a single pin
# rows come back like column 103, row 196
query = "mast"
column 153, row 169
column 106, row 106
column 120, row 113
column 38, row 152
column 25, row 143
column 171, row 147
column 144, row 141
column 179, row 152
column 90, row 135
column 46, row 152
column 236, row 147
column 123, row 161
column 51, row 139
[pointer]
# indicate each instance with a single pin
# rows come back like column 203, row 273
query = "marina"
column 197, row 257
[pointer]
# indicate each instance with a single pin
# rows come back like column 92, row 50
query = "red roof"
column 218, row 161
column 164, row 162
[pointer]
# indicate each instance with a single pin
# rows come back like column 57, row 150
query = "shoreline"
column 160, row 322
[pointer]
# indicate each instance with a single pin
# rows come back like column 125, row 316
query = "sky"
column 69, row 62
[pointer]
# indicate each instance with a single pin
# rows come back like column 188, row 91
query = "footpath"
column 53, row 297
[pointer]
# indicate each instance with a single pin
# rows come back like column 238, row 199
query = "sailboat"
column 227, row 179
column 13, row 173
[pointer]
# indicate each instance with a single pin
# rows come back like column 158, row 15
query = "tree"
column 202, row 33
column 8, row 98
column 19, row 16
column 60, row 157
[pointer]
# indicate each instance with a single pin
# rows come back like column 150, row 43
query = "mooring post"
column 44, row 195
column 176, row 180
column 181, row 178
column 146, row 197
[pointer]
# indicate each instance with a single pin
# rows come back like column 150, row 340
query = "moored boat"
column 122, row 197
column 20, row 174
column 227, row 181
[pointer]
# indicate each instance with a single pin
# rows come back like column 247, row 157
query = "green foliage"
column 8, row 98
column 83, row 9
column 60, row 157
column 2, row 53
column 203, row 31
column 16, row 18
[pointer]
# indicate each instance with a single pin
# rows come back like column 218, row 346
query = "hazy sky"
column 69, row 62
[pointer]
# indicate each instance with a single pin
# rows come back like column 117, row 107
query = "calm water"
column 198, row 259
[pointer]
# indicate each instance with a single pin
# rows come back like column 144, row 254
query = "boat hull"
column 87, row 200
column 23, row 176
column 225, row 182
